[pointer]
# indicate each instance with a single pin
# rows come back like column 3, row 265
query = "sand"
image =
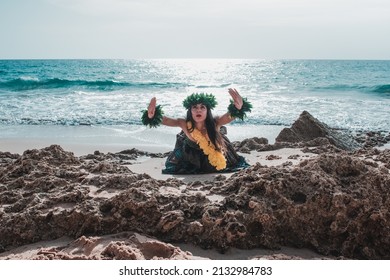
column 153, row 166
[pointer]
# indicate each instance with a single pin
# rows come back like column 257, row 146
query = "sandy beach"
column 307, row 199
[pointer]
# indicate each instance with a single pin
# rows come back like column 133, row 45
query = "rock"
column 336, row 203
column 370, row 139
column 307, row 128
column 250, row 144
column 122, row 246
column 272, row 157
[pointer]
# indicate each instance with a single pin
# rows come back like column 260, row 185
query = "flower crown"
column 200, row 98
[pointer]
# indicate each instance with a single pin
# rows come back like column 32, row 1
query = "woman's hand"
column 237, row 99
column 152, row 108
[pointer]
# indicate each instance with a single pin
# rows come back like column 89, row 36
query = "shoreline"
column 83, row 140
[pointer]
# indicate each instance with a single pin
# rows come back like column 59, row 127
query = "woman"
column 201, row 146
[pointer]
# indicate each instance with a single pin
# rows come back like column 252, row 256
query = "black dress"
column 188, row 158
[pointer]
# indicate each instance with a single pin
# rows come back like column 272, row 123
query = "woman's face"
column 199, row 112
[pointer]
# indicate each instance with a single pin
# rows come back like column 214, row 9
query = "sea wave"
column 24, row 84
column 381, row 89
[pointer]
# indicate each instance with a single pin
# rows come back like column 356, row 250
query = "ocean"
column 100, row 101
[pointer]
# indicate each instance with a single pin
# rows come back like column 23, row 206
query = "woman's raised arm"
column 153, row 116
column 237, row 103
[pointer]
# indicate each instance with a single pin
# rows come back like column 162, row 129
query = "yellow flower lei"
column 216, row 158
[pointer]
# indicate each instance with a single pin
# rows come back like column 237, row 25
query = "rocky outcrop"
column 313, row 136
column 250, row 144
column 337, row 204
column 307, row 128
column 371, row 139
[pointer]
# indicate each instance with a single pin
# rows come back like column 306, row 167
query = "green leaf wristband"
column 241, row 114
column 156, row 120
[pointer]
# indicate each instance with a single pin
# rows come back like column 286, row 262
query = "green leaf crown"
column 200, row 98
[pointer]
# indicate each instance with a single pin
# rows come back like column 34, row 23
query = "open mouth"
column 198, row 115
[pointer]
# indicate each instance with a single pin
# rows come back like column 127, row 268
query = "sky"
column 263, row 29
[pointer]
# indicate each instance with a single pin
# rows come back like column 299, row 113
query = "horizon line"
column 200, row 58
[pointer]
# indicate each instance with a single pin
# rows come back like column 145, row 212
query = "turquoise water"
column 347, row 94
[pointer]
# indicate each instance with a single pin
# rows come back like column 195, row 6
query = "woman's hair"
column 211, row 127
